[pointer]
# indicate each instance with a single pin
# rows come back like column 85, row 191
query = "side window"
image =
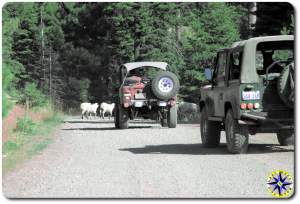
column 259, row 61
column 235, row 64
column 221, row 65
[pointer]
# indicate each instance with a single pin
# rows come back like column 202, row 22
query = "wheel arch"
column 228, row 105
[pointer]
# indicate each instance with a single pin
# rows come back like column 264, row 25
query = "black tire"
column 210, row 130
column 116, row 119
column 286, row 137
column 237, row 136
column 286, row 85
column 164, row 122
column 158, row 83
column 121, row 118
column 172, row 117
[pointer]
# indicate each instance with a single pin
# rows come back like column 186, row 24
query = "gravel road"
column 91, row 159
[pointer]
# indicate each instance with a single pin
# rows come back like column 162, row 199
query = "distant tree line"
column 67, row 53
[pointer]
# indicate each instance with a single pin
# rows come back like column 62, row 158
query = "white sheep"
column 106, row 108
column 93, row 109
column 87, row 109
column 84, row 109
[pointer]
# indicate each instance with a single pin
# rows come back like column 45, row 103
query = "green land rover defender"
column 251, row 90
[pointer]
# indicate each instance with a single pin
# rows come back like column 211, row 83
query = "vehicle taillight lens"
column 250, row 106
column 256, row 105
column 243, row 106
column 127, row 97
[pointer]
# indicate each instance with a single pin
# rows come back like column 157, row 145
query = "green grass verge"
column 39, row 147
column 31, row 139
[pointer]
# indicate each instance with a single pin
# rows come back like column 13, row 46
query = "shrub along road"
column 93, row 159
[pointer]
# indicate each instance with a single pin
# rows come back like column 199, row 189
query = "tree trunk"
column 137, row 47
column 252, row 17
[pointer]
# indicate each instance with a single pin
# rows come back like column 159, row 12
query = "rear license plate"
column 140, row 96
column 250, row 95
column 138, row 104
column 162, row 103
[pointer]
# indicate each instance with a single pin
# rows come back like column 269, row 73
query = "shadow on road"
column 188, row 122
column 157, row 122
column 110, row 121
column 144, row 122
column 130, row 122
column 107, row 128
column 86, row 121
column 198, row 149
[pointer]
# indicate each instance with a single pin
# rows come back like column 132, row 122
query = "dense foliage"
column 71, row 52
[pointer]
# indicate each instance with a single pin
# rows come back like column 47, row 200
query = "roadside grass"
column 31, row 138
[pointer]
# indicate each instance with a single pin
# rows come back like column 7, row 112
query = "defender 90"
column 251, row 90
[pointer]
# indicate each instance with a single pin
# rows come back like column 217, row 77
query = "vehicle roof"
column 263, row 39
column 248, row 71
column 133, row 65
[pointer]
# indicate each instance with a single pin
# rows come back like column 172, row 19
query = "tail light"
column 249, row 106
column 172, row 102
column 243, row 106
column 127, row 97
column 256, row 105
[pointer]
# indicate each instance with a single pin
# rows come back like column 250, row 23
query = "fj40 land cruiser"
column 147, row 90
column 250, row 90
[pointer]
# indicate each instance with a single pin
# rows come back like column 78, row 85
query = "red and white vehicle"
column 147, row 90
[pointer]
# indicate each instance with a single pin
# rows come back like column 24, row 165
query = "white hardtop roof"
column 264, row 39
column 133, row 65
column 248, row 72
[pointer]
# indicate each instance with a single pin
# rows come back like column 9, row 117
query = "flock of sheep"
column 90, row 109
column 185, row 111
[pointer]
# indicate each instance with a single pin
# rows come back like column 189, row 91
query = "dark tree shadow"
column 143, row 122
column 188, row 122
column 108, row 128
column 198, row 149
column 157, row 122
column 92, row 121
column 88, row 122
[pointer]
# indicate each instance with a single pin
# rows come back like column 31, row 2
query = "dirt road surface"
column 92, row 159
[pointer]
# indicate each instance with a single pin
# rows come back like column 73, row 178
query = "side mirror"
column 208, row 74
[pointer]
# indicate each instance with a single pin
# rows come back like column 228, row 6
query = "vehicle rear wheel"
column 172, row 117
column 285, row 137
column 164, row 122
column 237, row 136
column 116, row 118
column 210, row 130
column 121, row 118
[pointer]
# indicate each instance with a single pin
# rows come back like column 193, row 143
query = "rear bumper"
column 138, row 103
column 262, row 121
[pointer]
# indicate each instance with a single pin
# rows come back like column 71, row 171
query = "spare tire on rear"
column 165, row 85
column 286, row 85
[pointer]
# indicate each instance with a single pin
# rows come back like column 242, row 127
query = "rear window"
column 148, row 72
column 269, row 52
